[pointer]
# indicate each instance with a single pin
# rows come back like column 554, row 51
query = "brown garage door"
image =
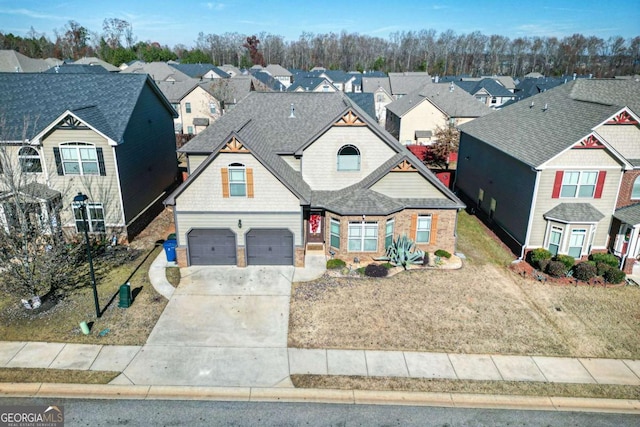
column 212, row 246
column 269, row 247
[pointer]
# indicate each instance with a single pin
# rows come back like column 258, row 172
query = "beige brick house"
column 284, row 173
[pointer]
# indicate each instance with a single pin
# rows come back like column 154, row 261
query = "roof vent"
column 451, row 87
column 546, row 107
column 292, row 115
column 532, row 104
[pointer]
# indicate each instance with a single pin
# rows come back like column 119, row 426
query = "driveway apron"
column 223, row 326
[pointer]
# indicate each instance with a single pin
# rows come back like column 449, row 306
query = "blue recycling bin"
column 170, row 249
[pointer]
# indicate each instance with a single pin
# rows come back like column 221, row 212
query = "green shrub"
column 442, row 253
column 608, row 259
column 375, row 270
column 614, row 275
column 557, row 269
column 538, row 255
column 387, row 265
column 567, row 260
column 335, row 263
column 602, row 268
column 360, row 270
column 585, row 271
column 403, row 252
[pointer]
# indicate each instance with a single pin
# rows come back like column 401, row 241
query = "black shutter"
column 103, row 170
column 56, row 154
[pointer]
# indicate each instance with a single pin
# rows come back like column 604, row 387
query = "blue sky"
column 179, row 22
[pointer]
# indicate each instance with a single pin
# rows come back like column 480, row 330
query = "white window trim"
column 333, row 222
column 577, row 231
column 418, row 229
column 359, row 156
column 635, row 182
column 76, row 145
column 579, row 184
column 238, row 167
column 363, row 226
column 90, row 207
column 27, row 157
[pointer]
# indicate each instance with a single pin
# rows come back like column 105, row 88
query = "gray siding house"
column 109, row 136
column 547, row 171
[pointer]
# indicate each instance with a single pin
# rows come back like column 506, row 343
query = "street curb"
column 354, row 397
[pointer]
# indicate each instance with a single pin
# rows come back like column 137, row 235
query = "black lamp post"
column 80, row 202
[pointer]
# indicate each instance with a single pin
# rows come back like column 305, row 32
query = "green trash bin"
column 125, row 296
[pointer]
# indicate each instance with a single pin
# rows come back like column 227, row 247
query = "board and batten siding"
column 147, row 161
column 624, row 138
column 407, row 185
column 320, row 159
column 186, row 221
column 204, row 194
column 99, row 189
column 605, row 204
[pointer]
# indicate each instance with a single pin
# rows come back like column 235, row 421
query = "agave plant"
column 403, row 252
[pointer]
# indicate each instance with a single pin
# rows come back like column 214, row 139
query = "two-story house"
column 548, row 172
column 283, row 173
column 195, row 103
column 109, row 136
column 414, row 118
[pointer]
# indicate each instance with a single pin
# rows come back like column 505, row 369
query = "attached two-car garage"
column 263, row 246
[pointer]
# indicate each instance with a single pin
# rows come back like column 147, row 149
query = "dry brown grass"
column 68, row 376
column 481, row 308
column 462, row 386
column 120, row 326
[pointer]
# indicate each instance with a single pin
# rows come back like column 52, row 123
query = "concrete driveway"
column 223, row 326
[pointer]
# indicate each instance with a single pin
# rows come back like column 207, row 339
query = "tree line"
column 444, row 53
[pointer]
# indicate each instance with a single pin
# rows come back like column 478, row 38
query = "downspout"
column 534, row 199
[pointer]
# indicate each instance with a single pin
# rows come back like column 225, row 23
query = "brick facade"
column 626, row 187
column 442, row 232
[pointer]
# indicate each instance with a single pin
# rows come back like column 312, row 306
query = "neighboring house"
column 407, row 82
column 268, row 81
column 130, row 63
column 15, row 62
column 283, row 173
column 77, row 69
column 109, row 136
column 280, row 73
column 365, row 101
column 194, row 102
column 414, row 118
column 312, row 84
column 530, row 86
column 231, row 70
column 159, row 71
column 488, row 91
column 201, row 71
column 340, row 80
column 92, row 60
column 558, row 171
column 381, row 90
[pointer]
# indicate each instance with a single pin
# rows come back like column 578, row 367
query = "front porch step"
column 315, row 247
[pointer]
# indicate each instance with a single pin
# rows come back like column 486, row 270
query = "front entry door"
column 315, row 228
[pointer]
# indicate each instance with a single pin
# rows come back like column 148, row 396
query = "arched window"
column 635, row 193
column 348, row 158
column 29, row 160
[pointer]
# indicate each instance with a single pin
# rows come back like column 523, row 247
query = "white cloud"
column 33, row 14
column 214, row 6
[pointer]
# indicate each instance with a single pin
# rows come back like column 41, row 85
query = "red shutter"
column 601, row 176
column 557, row 185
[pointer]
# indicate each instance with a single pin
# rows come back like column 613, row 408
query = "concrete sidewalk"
column 367, row 363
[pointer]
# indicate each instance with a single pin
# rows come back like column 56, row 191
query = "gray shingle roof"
column 159, row 71
column 12, row 61
column 278, row 70
column 575, row 212
column 403, row 83
column 629, row 214
column 105, row 101
column 263, row 124
column 199, row 70
column 371, row 84
column 308, row 83
column 534, row 135
column 77, row 69
column 92, row 60
column 456, row 103
column 175, row 91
